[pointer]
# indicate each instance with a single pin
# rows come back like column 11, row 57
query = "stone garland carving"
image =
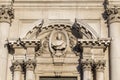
column 100, row 65
column 6, row 14
column 87, row 64
column 30, row 64
column 72, row 40
column 44, row 47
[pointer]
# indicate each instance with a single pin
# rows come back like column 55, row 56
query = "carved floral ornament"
column 6, row 14
column 86, row 64
column 30, row 64
column 21, row 65
column 100, row 65
column 89, row 64
column 17, row 65
column 111, row 14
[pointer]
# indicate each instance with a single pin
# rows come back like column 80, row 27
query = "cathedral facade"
column 59, row 40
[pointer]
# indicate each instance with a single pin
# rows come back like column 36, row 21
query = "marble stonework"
column 77, row 39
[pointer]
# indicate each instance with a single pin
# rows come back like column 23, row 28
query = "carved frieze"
column 6, row 14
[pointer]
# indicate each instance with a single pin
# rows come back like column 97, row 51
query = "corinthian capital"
column 6, row 14
column 100, row 65
column 112, row 14
column 30, row 64
column 86, row 64
column 17, row 65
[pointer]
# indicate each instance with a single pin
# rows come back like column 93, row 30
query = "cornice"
column 103, row 43
column 27, row 43
column 57, row 3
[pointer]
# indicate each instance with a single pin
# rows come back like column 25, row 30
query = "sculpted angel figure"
column 59, row 44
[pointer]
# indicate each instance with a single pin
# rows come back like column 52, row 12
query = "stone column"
column 17, row 69
column 86, row 65
column 6, row 14
column 100, row 69
column 114, row 32
column 30, row 66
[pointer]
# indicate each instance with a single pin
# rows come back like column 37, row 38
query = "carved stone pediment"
column 59, row 41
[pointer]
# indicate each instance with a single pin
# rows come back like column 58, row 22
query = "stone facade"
column 59, row 39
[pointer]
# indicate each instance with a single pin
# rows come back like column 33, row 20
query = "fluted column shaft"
column 100, row 70
column 86, row 65
column 6, row 14
column 114, row 32
column 30, row 66
column 17, row 68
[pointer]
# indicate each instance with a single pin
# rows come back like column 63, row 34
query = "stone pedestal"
column 17, row 69
column 100, row 69
column 114, row 32
column 30, row 66
column 6, row 14
column 86, row 65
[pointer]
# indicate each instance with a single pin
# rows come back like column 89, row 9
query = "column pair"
column 88, row 66
column 20, row 66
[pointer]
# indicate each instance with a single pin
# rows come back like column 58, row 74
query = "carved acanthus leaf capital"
column 17, row 65
column 6, row 14
column 87, row 64
column 30, row 64
column 112, row 14
column 100, row 65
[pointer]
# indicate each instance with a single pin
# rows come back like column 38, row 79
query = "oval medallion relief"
column 58, row 42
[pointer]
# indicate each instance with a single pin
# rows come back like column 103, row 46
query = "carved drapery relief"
column 6, row 14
